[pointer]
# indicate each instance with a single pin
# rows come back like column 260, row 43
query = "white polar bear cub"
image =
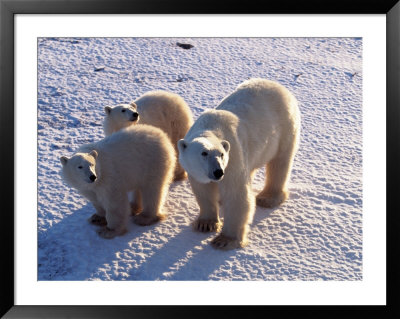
column 140, row 159
column 257, row 125
column 165, row 110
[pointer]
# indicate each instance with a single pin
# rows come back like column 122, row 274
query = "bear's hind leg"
column 277, row 175
column 179, row 174
column 136, row 203
column 207, row 196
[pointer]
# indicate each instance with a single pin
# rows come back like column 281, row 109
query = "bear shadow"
column 71, row 249
column 183, row 258
column 262, row 214
column 189, row 256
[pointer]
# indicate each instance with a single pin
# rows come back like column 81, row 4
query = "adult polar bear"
column 165, row 110
column 258, row 124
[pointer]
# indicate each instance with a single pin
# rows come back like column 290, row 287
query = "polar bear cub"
column 257, row 125
column 165, row 110
column 139, row 158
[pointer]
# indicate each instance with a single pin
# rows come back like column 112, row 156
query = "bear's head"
column 204, row 158
column 80, row 169
column 122, row 115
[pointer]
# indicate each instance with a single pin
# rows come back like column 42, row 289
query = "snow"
column 315, row 235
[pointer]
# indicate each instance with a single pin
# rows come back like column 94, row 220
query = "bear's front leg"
column 238, row 205
column 97, row 218
column 153, row 196
column 207, row 196
column 117, row 212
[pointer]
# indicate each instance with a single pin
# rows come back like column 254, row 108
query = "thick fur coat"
column 140, row 159
column 165, row 110
column 257, row 125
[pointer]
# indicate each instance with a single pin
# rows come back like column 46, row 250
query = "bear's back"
column 160, row 108
column 141, row 138
column 258, row 96
column 136, row 150
column 267, row 112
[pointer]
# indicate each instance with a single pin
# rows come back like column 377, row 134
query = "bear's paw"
column 144, row 219
column 271, row 200
column 97, row 220
column 207, row 225
column 226, row 243
column 108, row 233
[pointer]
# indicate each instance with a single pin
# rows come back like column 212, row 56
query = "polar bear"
column 165, row 110
column 140, row 159
column 258, row 124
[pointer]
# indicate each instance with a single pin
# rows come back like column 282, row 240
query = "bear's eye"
column 204, row 154
column 123, row 110
column 80, row 167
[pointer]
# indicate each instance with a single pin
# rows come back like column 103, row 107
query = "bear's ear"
column 107, row 109
column 181, row 145
column 226, row 145
column 94, row 153
column 133, row 105
column 63, row 160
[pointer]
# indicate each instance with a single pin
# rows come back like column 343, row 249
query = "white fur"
column 259, row 124
column 140, row 159
column 165, row 110
column 213, row 157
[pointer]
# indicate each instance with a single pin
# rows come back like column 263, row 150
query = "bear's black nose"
column 218, row 173
column 134, row 117
column 92, row 178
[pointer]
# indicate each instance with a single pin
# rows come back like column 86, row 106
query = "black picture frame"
column 8, row 10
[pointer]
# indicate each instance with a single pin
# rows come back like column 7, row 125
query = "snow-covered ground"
column 315, row 235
